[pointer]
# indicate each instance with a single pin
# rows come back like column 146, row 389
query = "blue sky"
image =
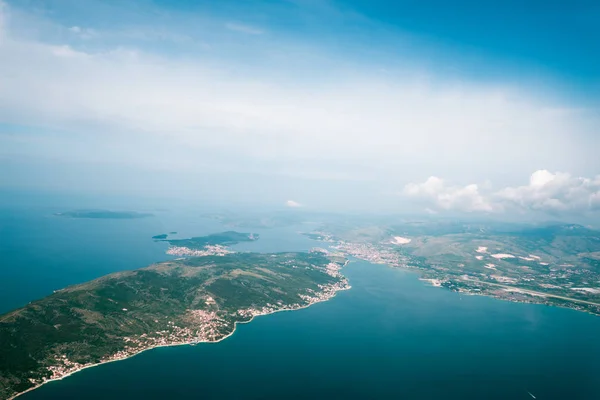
column 338, row 105
column 556, row 36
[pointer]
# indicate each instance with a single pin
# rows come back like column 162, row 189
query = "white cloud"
column 293, row 204
column 553, row 192
column 442, row 196
column 243, row 28
column 279, row 109
column 546, row 191
column 293, row 123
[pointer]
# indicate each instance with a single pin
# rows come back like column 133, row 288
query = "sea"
column 391, row 336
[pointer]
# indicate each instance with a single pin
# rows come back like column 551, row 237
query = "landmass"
column 163, row 236
column 323, row 237
column 103, row 214
column 215, row 244
column 184, row 301
column 211, row 245
column 554, row 264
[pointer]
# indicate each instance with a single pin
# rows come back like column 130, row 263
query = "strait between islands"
column 184, row 301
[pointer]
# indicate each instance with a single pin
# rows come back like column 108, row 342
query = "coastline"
column 235, row 324
column 535, row 297
column 539, row 296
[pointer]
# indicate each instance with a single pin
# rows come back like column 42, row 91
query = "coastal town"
column 372, row 253
column 204, row 327
column 208, row 250
column 208, row 321
column 526, row 277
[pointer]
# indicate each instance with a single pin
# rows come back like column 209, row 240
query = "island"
column 183, row 301
column 162, row 236
column 222, row 239
column 214, row 244
column 103, row 214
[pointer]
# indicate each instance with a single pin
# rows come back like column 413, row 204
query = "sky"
column 474, row 107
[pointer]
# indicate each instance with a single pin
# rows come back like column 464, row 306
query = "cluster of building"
column 202, row 326
column 62, row 368
column 371, row 253
column 209, row 250
column 324, row 293
column 207, row 327
column 333, row 269
column 376, row 253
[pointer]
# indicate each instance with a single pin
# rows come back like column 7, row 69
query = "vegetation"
column 175, row 302
column 554, row 264
column 224, row 239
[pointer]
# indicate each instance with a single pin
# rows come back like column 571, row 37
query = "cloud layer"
column 217, row 98
column 546, row 191
column 446, row 197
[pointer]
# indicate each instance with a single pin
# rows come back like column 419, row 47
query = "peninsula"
column 184, row 301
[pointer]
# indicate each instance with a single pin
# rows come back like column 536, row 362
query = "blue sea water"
column 390, row 336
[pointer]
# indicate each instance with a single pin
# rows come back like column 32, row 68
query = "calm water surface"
column 390, row 336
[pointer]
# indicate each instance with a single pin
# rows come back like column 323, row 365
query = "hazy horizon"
column 351, row 106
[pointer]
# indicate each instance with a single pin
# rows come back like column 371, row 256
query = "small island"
column 228, row 238
column 103, row 214
column 184, row 301
column 210, row 245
